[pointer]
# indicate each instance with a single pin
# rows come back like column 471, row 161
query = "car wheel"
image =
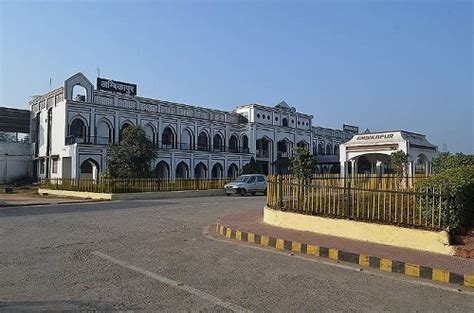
column 242, row 192
column 265, row 192
column 227, row 194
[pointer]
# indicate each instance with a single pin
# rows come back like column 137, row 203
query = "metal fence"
column 106, row 185
column 365, row 181
column 426, row 209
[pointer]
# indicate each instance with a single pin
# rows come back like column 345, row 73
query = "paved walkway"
column 252, row 221
column 20, row 199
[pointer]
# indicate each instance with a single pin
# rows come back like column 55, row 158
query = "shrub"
column 447, row 161
column 458, row 183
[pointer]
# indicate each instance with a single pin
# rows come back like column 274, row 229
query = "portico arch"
column 182, row 170
column 89, row 169
column 217, row 171
column 233, row 171
column 162, row 170
column 200, row 170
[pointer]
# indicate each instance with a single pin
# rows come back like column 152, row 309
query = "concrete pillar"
column 354, row 167
column 378, row 168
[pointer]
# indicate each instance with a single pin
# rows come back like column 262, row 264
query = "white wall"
column 15, row 161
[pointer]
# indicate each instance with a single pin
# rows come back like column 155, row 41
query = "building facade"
column 70, row 134
column 369, row 153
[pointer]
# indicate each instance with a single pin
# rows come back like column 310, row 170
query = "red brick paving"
column 252, row 221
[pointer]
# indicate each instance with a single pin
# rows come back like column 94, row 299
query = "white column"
column 353, row 167
column 116, row 127
column 378, row 168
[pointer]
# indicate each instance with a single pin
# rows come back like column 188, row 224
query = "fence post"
column 349, row 200
column 280, row 192
column 447, row 214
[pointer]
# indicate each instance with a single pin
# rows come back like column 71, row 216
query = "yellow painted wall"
column 133, row 196
column 76, row 194
column 431, row 241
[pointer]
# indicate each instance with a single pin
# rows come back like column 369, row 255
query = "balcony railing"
column 282, row 154
column 263, row 153
column 98, row 140
column 94, row 140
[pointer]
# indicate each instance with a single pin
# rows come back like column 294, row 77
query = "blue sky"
column 376, row 64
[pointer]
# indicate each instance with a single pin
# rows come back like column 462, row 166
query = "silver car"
column 247, row 184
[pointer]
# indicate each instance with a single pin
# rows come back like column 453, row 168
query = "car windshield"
column 242, row 179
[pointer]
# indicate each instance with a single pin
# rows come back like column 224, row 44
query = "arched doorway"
column 217, row 171
column 182, row 170
column 233, row 171
column 89, row 169
column 422, row 165
column 162, row 170
column 200, row 171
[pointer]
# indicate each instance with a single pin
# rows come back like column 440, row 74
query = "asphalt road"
column 153, row 255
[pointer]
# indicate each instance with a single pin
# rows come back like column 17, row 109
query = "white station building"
column 73, row 125
column 370, row 152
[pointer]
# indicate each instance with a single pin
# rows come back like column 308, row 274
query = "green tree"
column 302, row 164
column 399, row 161
column 132, row 157
column 251, row 168
column 446, row 161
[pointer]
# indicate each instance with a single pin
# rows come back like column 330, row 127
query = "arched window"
column 182, row 170
column 217, row 171
column 320, row 149
column 162, row 170
column 263, row 148
column 123, row 128
column 168, row 139
column 302, row 144
column 78, row 131
column 336, row 149
column 150, row 133
column 233, row 144
column 328, row 149
column 315, row 148
column 187, row 139
column 284, row 122
column 217, row 143
column 79, row 93
column 283, row 148
column 203, row 141
column 245, row 144
column 200, row 171
column 104, row 133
